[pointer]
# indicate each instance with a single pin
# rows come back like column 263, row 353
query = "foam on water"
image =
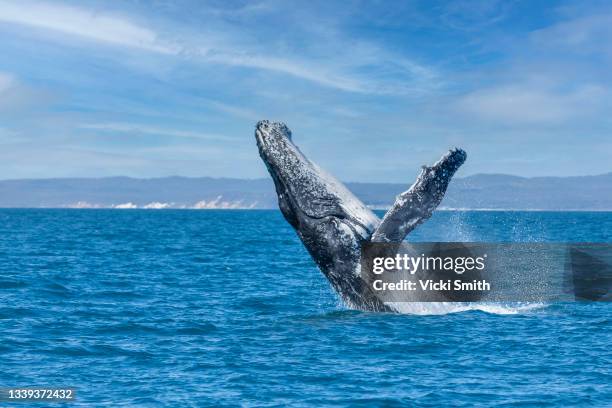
column 441, row 308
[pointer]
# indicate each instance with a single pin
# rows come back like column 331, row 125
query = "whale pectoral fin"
column 416, row 205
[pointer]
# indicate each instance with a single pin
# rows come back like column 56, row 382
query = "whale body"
column 332, row 223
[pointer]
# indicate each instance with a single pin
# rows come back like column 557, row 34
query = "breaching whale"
column 332, row 223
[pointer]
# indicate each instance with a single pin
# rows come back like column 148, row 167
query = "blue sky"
column 372, row 90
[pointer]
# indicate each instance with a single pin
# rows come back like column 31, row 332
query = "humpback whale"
column 332, row 223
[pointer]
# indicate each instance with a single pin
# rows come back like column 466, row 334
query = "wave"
column 441, row 308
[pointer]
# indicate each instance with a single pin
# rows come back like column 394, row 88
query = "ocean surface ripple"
column 226, row 308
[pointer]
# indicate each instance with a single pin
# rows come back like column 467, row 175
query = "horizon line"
column 267, row 178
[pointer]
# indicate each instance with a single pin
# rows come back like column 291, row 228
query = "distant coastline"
column 483, row 192
column 119, row 208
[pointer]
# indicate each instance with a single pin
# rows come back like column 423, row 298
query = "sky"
column 372, row 90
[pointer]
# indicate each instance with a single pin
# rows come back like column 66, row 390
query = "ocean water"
column 226, row 308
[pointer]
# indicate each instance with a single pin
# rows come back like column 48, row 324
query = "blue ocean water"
column 226, row 308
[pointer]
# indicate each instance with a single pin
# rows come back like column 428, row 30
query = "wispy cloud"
column 177, row 89
column 557, row 74
column 6, row 81
column 127, row 128
column 233, row 110
column 285, row 66
column 83, row 23
column 532, row 104
column 474, row 15
column 583, row 34
column 227, row 47
column 17, row 99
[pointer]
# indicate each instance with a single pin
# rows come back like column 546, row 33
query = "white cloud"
column 472, row 15
column 381, row 73
column 17, row 97
column 530, row 104
column 586, row 34
column 229, row 45
column 233, row 110
column 287, row 66
column 82, row 23
column 151, row 130
column 6, row 82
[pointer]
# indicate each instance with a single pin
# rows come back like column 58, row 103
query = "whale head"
column 329, row 219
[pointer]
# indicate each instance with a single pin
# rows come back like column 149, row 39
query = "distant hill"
column 482, row 191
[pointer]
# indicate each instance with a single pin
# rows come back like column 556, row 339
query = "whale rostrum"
column 332, row 223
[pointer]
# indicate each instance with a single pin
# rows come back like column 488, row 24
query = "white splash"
column 441, row 308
